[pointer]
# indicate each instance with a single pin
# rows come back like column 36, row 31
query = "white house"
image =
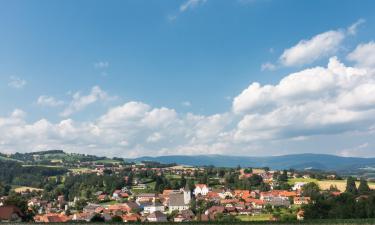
column 201, row 189
column 298, row 186
column 153, row 207
column 179, row 201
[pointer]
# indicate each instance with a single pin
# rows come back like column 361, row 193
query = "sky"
column 131, row 78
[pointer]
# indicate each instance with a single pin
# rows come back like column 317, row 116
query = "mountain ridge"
column 296, row 161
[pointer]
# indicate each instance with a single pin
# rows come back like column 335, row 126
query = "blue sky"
column 74, row 62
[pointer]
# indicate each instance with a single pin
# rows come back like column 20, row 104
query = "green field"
column 261, row 217
column 107, row 161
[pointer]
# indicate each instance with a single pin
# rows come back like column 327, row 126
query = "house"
column 184, row 216
column 10, row 214
column 211, row 212
column 298, row 186
column 90, row 208
column 255, row 203
column 131, row 217
column 225, row 194
column 154, row 206
column 157, row 217
column 103, row 197
column 301, row 215
column 51, row 218
column 145, row 197
column 84, row 216
column 130, row 206
column 301, row 200
column 178, row 201
column 241, row 193
column 201, row 189
column 279, row 202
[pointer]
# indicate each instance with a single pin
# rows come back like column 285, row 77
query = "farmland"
column 326, row 184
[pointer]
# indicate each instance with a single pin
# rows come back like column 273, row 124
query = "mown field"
column 325, row 184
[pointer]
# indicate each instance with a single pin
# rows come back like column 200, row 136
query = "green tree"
column 363, row 187
column 311, row 190
column 350, row 186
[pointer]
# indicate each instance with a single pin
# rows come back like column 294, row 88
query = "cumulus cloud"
column 363, row 55
column 308, row 51
column 316, row 102
column 80, row 102
column 317, row 47
column 50, row 101
column 313, row 101
column 16, row 82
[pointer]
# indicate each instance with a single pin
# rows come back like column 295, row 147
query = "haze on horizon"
column 145, row 78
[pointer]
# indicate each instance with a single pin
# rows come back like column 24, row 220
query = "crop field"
column 325, row 184
column 20, row 189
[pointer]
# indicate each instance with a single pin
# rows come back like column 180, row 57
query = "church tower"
column 187, row 195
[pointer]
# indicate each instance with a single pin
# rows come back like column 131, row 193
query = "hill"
column 296, row 161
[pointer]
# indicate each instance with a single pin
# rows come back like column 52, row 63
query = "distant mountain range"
column 296, row 161
column 349, row 165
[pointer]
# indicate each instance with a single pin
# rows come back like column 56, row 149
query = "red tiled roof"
column 6, row 212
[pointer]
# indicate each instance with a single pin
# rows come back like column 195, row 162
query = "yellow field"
column 326, row 184
column 340, row 184
column 24, row 189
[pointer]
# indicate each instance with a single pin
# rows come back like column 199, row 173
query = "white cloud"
column 336, row 100
column 268, row 66
column 44, row 100
column 320, row 46
column 308, row 51
column 314, row 101
column 360, row 150
column 80, row 102
column 16, row 82
column 363, row 55
column 101, row 65
column 352, row 29
column 186, row 103
column 190, row 4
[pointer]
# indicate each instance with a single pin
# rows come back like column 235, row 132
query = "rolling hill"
column 296, row 161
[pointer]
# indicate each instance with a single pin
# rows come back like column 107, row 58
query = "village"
column 211, row 197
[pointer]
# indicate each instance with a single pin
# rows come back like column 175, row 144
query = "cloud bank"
column 320, row 101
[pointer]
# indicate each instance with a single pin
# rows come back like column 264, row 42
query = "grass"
column 47, row 166
column 307, row 180
column 107, row 161
column 260, row 217
column 79, row 170
column 9, row 159
column 20, row 189
column 108, row 203
column 311, row 222
column 173, row 176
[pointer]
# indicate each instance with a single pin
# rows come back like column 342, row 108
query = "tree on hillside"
column 363, row 187
column 311, row 190
column 350, row 186
column 283, row 177
column 255, row 180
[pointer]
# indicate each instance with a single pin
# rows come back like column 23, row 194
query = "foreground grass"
column 311, row 222
column 248, row 218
